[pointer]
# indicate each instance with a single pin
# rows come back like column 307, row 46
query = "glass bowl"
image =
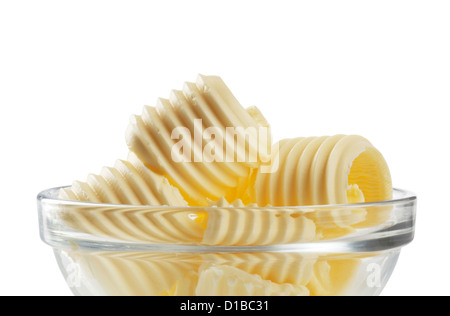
column 106, row 249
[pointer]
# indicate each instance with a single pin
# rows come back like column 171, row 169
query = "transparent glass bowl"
column 105, row 249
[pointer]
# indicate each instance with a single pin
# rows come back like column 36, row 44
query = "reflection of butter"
column 234, row 224
column 130, row 182
column 207, row 104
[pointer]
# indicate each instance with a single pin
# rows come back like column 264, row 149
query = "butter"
column 201, row 148
column 185, row 123
column 130, row 273
column 128, row 182
column 325, row 170
column 223, row 280
column 332, row 277
column 354, row 194
column 278, row 267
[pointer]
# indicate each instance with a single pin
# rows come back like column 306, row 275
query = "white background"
column 73, row 72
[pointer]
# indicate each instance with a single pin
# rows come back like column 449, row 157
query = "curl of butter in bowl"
column 206, row 204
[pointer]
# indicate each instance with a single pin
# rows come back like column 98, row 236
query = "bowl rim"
column 391, row 235
column 400, row 196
